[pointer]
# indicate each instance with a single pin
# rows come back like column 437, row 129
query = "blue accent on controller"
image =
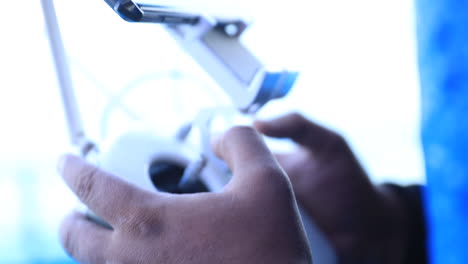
column 271, row 90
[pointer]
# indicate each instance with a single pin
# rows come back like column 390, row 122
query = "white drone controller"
column 170, row 164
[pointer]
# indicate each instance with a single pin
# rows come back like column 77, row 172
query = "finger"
column 299, row 129
column 83, row 240
column 247, row 156
column 109, row 197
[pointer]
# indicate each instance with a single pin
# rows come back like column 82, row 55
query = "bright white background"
column 358, row 75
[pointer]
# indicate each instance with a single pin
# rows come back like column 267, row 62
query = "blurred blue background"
column 358, row 75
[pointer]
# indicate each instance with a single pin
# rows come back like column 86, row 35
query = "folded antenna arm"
column 75, row 127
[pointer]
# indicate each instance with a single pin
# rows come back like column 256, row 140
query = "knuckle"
column 338, row 142
column 140, row 221
column 87, row 182
column 145, row 226
column 339, row 139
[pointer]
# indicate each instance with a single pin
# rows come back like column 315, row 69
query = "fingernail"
column 61, row 163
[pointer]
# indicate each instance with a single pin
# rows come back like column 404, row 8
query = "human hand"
column 254, row 219
column 365, row 223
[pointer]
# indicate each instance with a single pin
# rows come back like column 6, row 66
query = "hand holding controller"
column 254, row 219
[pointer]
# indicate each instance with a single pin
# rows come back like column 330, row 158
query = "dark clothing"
column 413, row 197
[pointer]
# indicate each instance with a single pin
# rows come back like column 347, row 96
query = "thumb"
column 248, row 157
column 296, row 127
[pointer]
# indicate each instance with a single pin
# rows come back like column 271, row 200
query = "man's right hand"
column 254, row 219
column 365, row 223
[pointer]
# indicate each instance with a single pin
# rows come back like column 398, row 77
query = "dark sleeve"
column 413, row 198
